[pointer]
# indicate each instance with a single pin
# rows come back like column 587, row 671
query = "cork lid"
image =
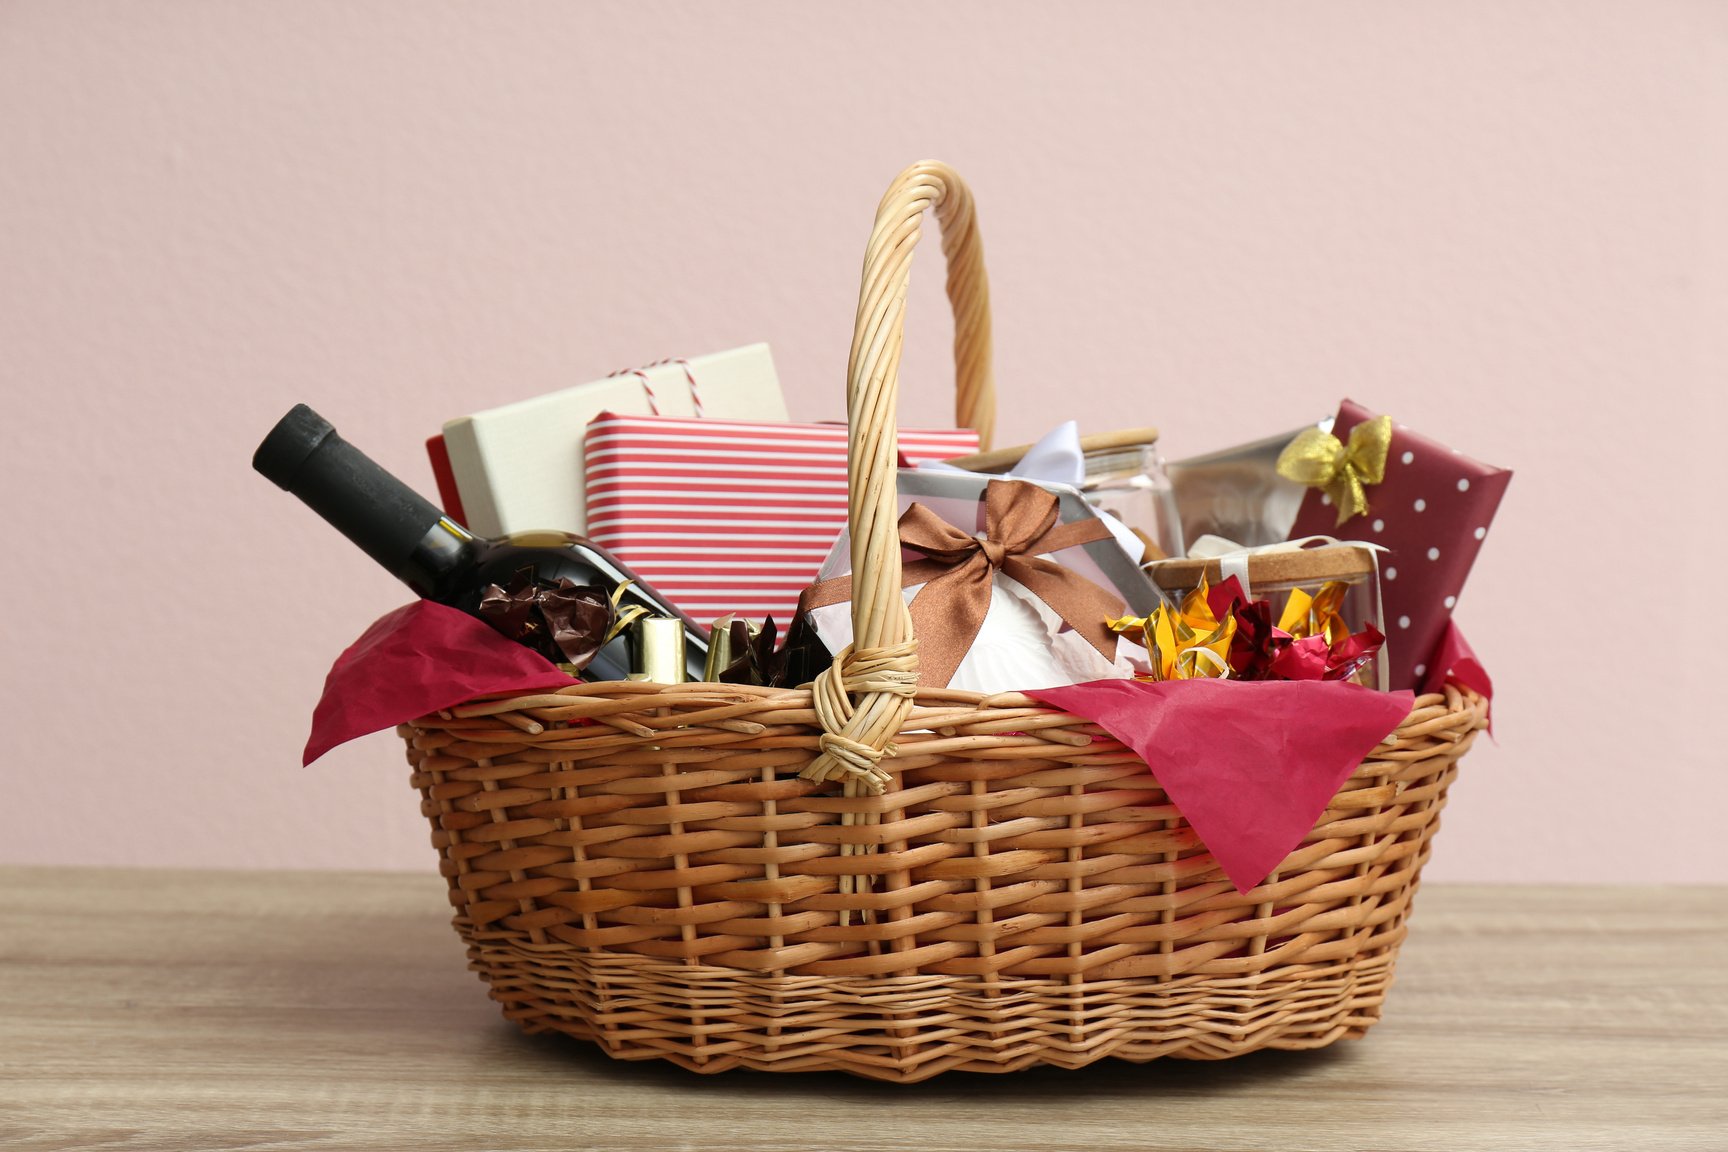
column 1002, row 459
column 1350, row 562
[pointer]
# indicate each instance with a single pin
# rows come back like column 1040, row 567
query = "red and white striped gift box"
column 728, row 515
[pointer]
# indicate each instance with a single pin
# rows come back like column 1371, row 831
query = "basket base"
column 1037, row 900
column 907, row 1029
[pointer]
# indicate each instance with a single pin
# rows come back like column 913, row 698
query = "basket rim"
column 1429, row 711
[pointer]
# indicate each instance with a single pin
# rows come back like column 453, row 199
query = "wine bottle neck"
column 389, row 521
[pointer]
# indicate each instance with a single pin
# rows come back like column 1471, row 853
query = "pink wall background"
column 1506, row 223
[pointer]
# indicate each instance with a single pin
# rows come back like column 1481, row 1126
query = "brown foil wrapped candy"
column 565, row 622
column 743, row 652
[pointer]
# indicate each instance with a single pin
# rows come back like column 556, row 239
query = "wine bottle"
column 435, row 556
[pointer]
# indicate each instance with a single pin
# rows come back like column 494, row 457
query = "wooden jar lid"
column 1002, row 459
column 1296, row 566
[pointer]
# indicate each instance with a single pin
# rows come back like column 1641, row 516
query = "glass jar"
column 1273, row 574
column 1126, row 478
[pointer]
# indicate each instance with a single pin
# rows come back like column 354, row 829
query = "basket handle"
column 865, row 696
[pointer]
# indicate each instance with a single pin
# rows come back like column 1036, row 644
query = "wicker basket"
column 646, row 867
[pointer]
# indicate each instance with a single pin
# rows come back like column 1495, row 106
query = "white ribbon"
column 1057, row 457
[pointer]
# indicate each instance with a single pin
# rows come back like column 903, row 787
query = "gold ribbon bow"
column 1320, row 460
column 1021, row 524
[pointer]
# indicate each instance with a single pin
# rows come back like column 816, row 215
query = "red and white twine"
column 648, row 386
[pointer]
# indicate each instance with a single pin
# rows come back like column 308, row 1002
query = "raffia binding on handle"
column 865, row 696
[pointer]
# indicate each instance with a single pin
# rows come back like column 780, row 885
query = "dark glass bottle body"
column 433, row 555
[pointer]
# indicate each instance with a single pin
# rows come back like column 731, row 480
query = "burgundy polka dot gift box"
column 1431, row 508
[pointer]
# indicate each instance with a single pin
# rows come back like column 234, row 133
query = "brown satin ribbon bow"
column 1021, row 524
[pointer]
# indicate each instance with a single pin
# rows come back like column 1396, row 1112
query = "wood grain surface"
column 192, row 1011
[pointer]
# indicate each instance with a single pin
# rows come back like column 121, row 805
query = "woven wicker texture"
column 655, row 869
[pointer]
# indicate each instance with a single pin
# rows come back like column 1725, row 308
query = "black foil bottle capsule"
column 435, row 556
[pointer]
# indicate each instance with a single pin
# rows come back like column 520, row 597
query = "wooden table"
column 187, row 1011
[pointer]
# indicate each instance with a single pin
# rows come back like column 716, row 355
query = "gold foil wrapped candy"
column 1185, row 643
column 1317, row 615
